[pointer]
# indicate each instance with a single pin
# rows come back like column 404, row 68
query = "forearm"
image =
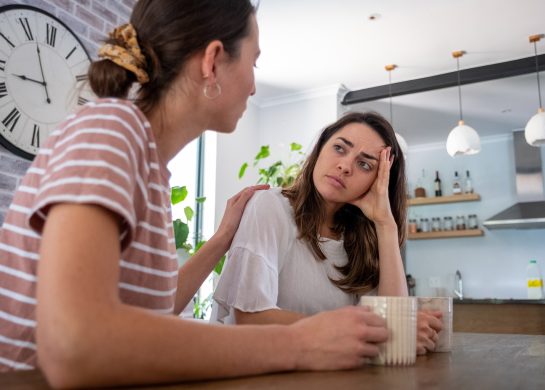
column 82, row 354
column 193, row 273
column 273, row 316
column 392, row 280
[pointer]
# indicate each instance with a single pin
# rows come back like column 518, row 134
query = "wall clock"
column 43, row 69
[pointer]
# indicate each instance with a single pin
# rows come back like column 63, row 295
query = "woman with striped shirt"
column 89, row 280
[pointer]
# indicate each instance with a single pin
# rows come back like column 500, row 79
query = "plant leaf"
column 200, row 199
column 178, row 194
column 263, row 153
column 181, row 232
column 219, row 267
column 188, row 211
column 295, row 146
column 242, row 170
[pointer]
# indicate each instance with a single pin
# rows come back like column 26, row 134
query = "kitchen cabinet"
column 446, row 233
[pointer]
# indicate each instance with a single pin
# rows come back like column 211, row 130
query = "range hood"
column 529, row 212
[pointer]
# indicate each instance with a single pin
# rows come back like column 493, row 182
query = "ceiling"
column 308, row 45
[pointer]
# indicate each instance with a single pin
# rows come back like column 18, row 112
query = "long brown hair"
column 361, row 273
column 169, row 32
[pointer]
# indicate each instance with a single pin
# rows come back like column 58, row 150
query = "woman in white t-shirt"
column 328, row 239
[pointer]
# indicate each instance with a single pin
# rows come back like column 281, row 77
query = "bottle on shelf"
column 534, row 281
column 468, row 188
column 437, row 184
column 420, row 190
column 472, row 222
column 456, row 187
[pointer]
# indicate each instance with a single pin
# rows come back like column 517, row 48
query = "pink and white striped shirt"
column 106, row 155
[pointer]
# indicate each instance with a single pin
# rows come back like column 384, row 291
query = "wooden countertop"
column 478, row 361
column 498, row 301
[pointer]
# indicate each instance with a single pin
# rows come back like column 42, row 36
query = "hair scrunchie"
column 129, row 56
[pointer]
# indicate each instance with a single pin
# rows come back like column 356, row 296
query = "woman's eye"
column 364, row 165
column 338, row 148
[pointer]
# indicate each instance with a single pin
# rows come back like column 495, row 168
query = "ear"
column 210, row 59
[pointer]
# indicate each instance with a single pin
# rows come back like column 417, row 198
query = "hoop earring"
column 215, row 93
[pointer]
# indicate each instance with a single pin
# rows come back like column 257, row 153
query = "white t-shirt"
column 269, row 268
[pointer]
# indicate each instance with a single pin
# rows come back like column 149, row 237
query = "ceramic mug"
column 444, row 305
column 400, row 316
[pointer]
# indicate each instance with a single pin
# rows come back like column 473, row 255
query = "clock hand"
column 23, row 77
column 42, row 70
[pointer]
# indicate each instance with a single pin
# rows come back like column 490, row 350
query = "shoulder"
column 270, row 203
column 117, row 113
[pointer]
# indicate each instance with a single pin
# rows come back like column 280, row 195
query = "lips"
column 338, row 182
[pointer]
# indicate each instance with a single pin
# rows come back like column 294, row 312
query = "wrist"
column 221, row 240
column 386, row 226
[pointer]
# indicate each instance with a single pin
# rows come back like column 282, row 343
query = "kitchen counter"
column 477, row 361
column 523, row 316
column 496, row 301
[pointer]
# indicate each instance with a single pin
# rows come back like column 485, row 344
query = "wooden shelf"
column 444, row 199
column 447, row 234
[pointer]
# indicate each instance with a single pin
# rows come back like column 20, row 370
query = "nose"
column 253, row 90
column 344, row 166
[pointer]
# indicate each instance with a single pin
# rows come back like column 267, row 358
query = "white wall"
column 296, row 121
column 493, row 266
column 232, row 151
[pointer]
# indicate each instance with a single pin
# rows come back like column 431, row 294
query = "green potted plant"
column 279, row 173
column 185, row 249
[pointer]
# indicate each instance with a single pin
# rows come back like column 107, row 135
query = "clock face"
column 43, row 69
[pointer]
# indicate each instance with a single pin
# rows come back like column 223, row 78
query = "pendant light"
column 535, row 128
column 463, row 139
column 400, row 140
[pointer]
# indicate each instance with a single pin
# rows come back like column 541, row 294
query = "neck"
column 175, row 122
column 326, row 228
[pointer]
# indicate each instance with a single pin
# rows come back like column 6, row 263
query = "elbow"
column 64, row 355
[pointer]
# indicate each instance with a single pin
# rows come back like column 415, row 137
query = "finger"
column 435, row 323
column 370, row 350
column 247, row 193
column 384, row 168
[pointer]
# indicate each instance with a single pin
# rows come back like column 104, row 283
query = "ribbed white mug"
column 400, row 316
column 444, row 305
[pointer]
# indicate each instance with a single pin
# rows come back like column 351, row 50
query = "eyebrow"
column 363, row 154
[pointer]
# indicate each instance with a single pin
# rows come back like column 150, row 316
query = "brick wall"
column 91, row 20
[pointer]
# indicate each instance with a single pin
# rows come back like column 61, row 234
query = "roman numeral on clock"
column 81, row 77
column 51, row 35
column 7, row 40
column 11, row 119
column 3, row 90
column 36, row 136
column 82, row 101
column 2, row 65
column 26, row 28
column 71, row 52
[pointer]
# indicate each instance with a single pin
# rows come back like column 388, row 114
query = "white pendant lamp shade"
column 535, row 129
column 402, row 144
column 463, row 140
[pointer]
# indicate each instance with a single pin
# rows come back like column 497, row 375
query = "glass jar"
column 460, row 222
column 472, row 222
column 435, row 225
column 447, row 223
column 424, row 225
column 412, row 226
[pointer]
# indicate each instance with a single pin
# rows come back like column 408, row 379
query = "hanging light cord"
column 390, row 92
column 459, row 89
column 537, row 75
